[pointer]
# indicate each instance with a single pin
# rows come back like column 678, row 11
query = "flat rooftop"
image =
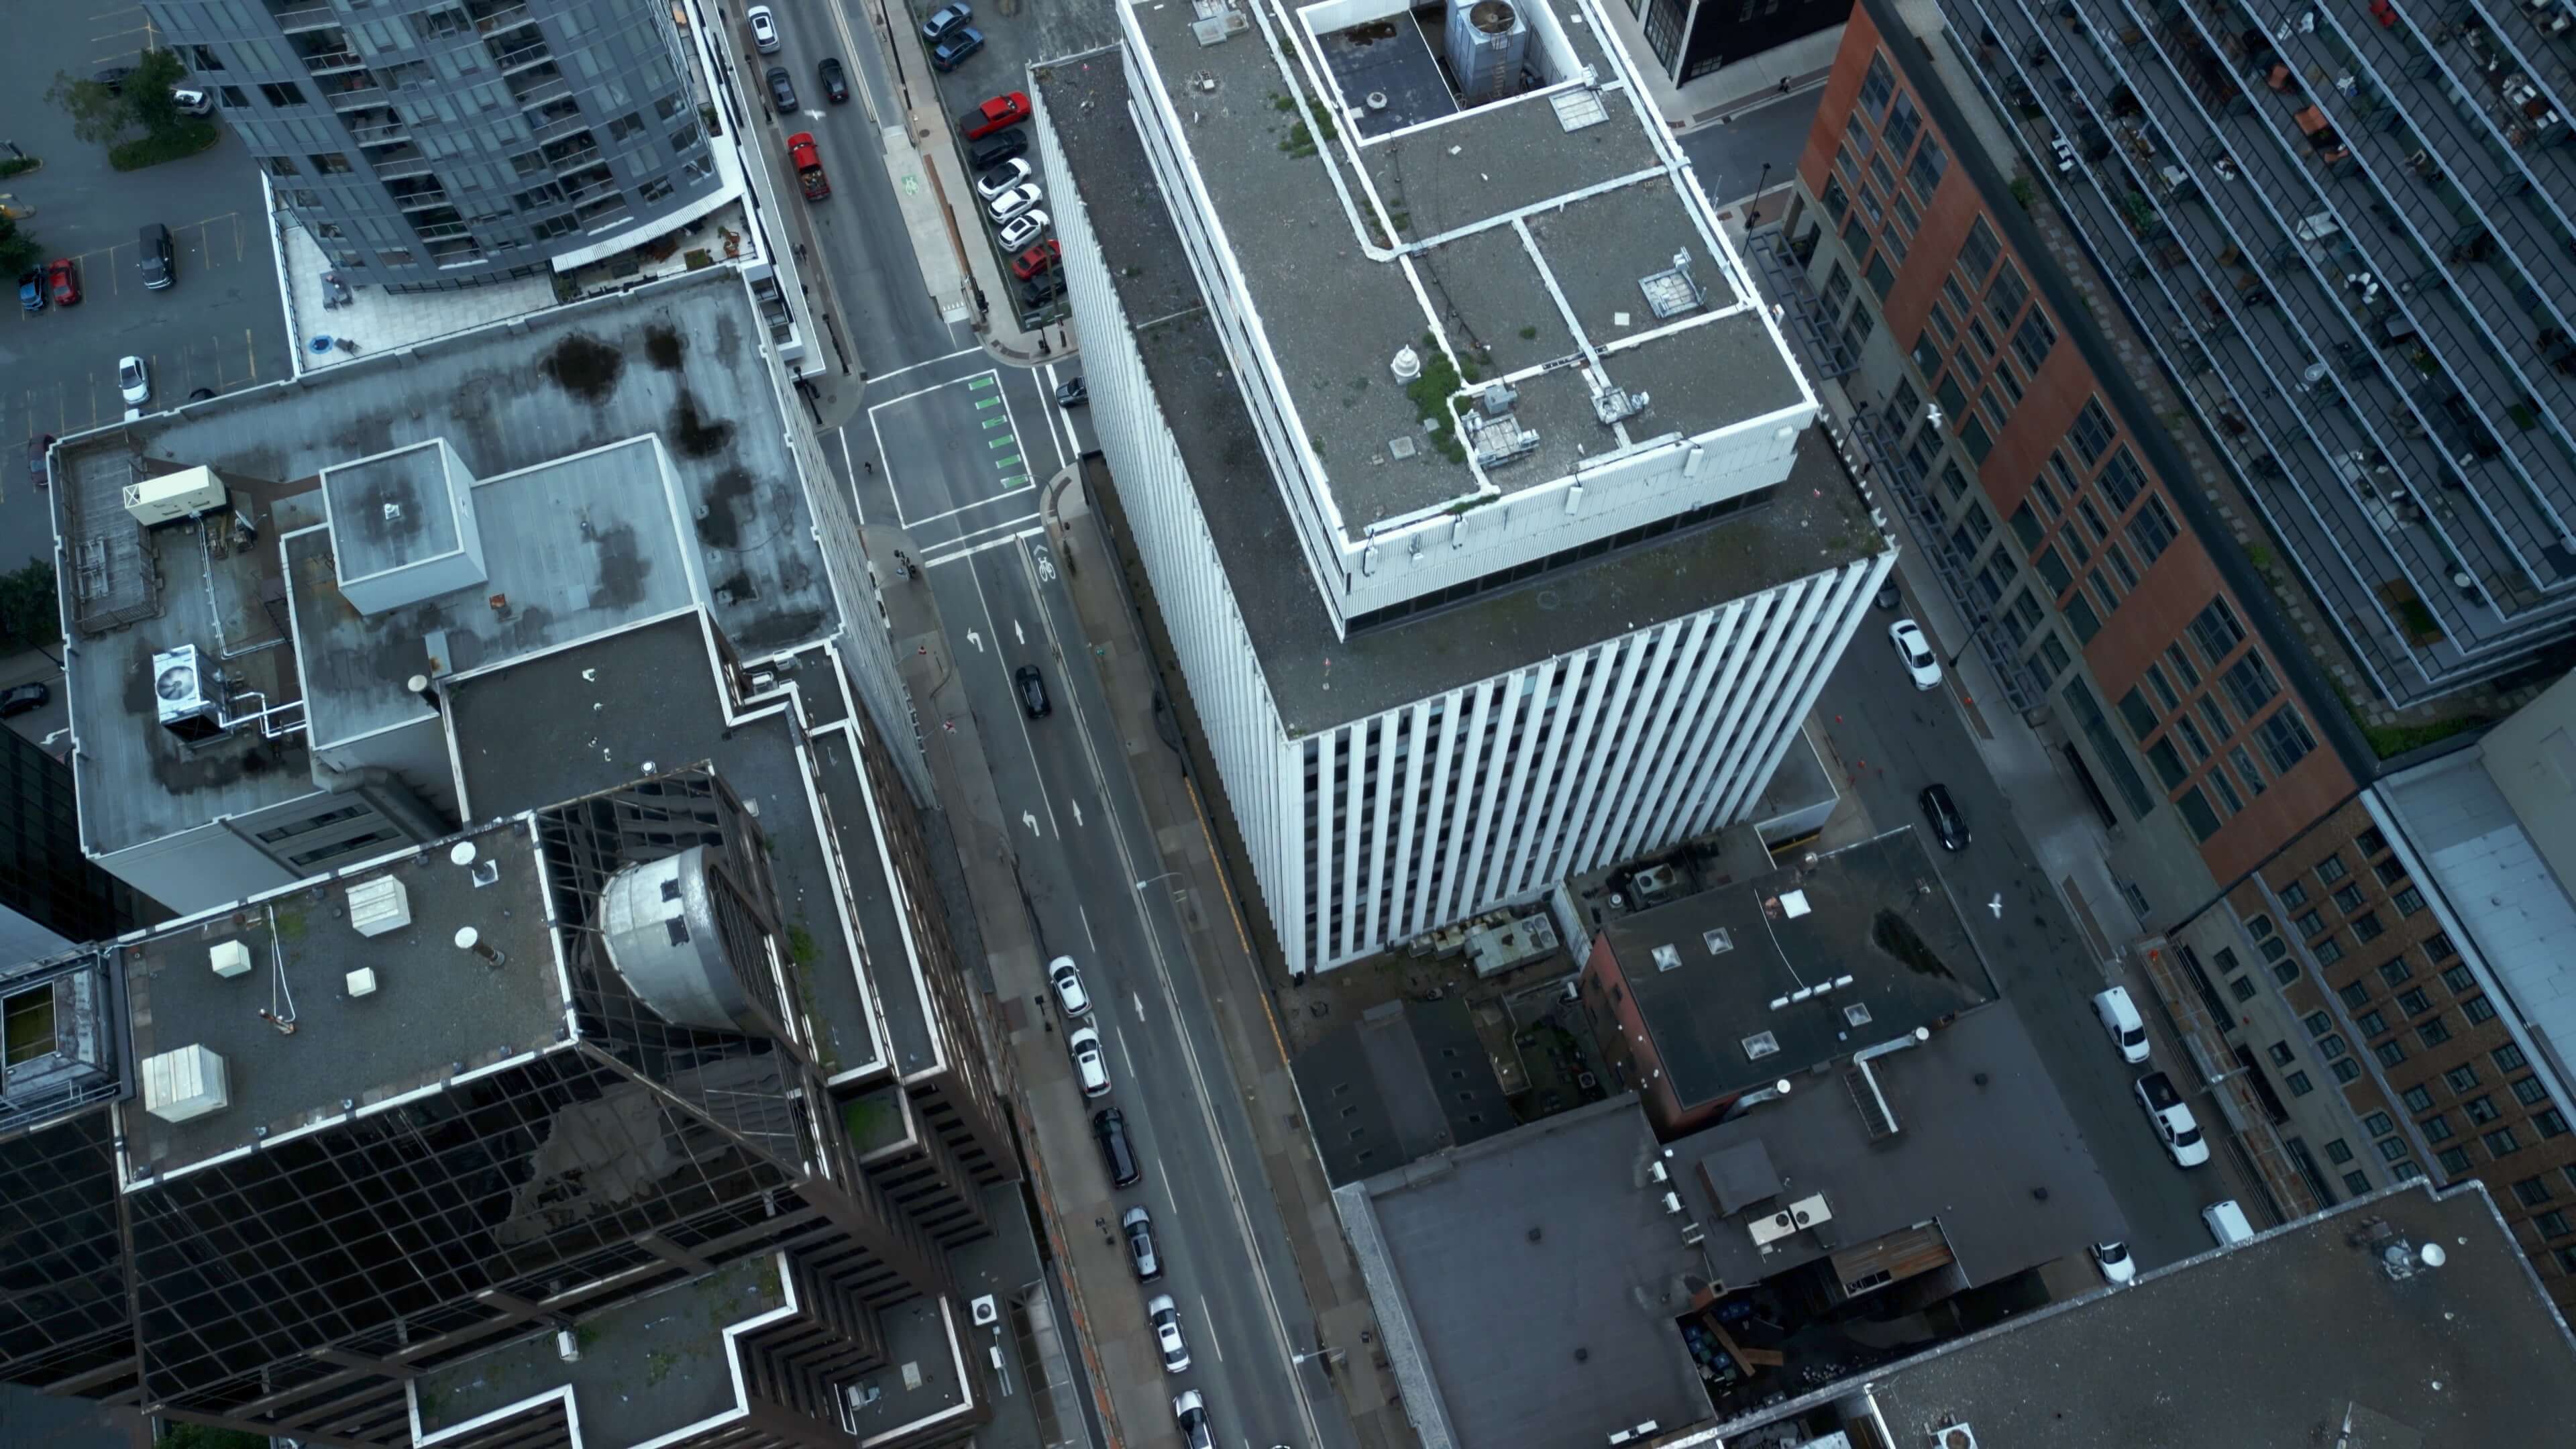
column 1980, row 1128
column 648, row 696
column 680, row 360
column 1526, row 1286
column 435, row 1011
column 2286, row 1339
column 1526, row 228
column 1867, row 928
column 1405, row 1080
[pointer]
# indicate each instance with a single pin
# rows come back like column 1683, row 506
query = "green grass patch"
column 800, row 945
column 2390, row 741
column 177, row 144
column 1529, row 334
column 2023, row 191
column 1432, row 401
column 2259, row 555
column 19, row 166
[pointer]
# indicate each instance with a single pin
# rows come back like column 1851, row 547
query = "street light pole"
column 1753, row 213
column 1973, row 630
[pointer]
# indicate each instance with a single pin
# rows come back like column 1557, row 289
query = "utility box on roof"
column 378, row 906
column 184, row 1084
column 174, row 496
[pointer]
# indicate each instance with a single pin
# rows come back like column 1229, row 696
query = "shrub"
column 176, row 145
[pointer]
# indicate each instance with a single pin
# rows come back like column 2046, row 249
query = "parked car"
column 2119, row 1016
column 1038, row 293
column 1191, row 1412
column 1032, row 688
column 1166, row 1320
column 2226, row 1223
column 782, row 90
column 1109, row 1128
column 23, row 698
column 1021, row 230
column 997, row 148
column 2064, row 150
column 2174, row 1122
column 36, row 449
column 1011, row 203
column 113, row 77
column 192, row 102
column 1948, row 826
column 155, row 256
column 836, row 81
column 1889, row 596
column 1921, row 664
column 1073, row 394
column 62, row 279
column 1139, row 1227
column 1066, row 978
column 1090, row 1063
column 2114, row 1262
column 764, row 29
column 998, row 179
column 993, row 114
column 133, row 381
column 945, row 19
column 956, row 48
column 1036, row 259
column 31, row 291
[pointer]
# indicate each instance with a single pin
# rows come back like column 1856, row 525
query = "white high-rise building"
column 1474, row 481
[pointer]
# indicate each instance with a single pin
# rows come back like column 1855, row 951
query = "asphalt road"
column 1729, row 157
column 220, row 327
column 1898, row 739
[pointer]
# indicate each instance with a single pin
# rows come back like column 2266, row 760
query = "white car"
column 133, row 381
column 2119, row 1016
column 1090, row 1063
column 764, row 29
column 1066, row 978
column 2174, row 1122
column 1921, row 664
column 1003, row 177
column 1023, row 229
column 1011, row 203
column 1191, row 1412
column 2065, row 151
column 2114, row 1261
column 1167, row 1332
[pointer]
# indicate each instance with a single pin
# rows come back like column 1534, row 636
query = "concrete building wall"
column 2532, row 755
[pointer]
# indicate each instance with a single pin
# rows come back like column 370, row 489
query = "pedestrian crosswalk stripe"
column 1016, row 480
column 979, row 383
column 1009, row 462
column 999, row 442
column 997, row 422
column 990, row 402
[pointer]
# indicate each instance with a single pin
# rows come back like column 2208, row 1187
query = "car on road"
column 764, row 29
column 2113, row 1260
column 1090, row 1063
column 956, row 49
column 1139, row 1227
column 23, row 698
column 1003, row 177
column 31, row 291
column 993, row 114
column 1021, row 230
column 836, row 81
column 1109, row 1128
column 133, row 381
column 1166, row 1320
column 1036, row 259
column 1190, row 1411
column 113, row 77
column 945, row 19
column 1921, row 664
column 2179, row 1130
column 1066, row 978
column 2119, row 1016
column 782, row 90
column 997, row 148
column 62, row 281
column 1011, row 203
column 1948, row 826
column 1073, row 394
column 1888, row 595
column 153, row 254
column 2226, row 1223
column 1032, row 688
column 36, row 449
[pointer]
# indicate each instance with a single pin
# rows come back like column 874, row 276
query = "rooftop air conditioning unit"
column 181, row 700
column 986, row 1311
column 379, row 905
column 174, row 496
column 1673, row 1202
column 181, row 1085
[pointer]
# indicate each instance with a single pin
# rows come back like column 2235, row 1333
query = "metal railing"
column 1802, row 313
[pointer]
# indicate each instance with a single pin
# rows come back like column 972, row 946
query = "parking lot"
column 220, row 327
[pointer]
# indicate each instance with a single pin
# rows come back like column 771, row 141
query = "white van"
column 2226, row 1223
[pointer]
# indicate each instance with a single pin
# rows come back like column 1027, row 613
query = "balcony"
column 295, row 18
column 533, row 90
column 513, row 61
column 356, row 94
column 561, row 130
column 397, row 165
column 392, row 130
column 492, row 18
column 420, row 198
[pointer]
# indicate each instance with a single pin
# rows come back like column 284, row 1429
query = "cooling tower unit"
column 1488, row 42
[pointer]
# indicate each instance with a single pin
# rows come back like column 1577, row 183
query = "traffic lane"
column 1729, row 157
column 955, row 459
column 1900, row 739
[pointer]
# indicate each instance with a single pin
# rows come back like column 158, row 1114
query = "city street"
column 1729, row 156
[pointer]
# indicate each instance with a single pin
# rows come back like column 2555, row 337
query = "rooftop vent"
column 1856, row 1014
column 229, row 958
column 1407, row 365
column 1576, row 109
column 1718, row 942
column 379, row 905
column 1793, row 904
column 1954, row 1436
column 1667, row 959
column 1673, row 292
column 185, row 1084
column 1761, row 1044
column 182, row 701
column 1654, row 882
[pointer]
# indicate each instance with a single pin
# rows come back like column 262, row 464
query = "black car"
column 1073, row 394
column 836, row 82
column 1140, row 1245
column 956, row 47
column 23, row 698
column 1110, row 1126
column 997, row 148
column 1039, row 292
column 36, row 447
column 782, row 90
column 1948, row 825
column 1888, row 597
column 1032, row 688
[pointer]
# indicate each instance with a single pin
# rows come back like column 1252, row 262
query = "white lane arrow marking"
column 1031, row 821
column 1139, row 998
column 1077, row 813
column 1019, row 633
column 975, row 639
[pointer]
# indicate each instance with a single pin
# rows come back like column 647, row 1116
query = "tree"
column 147, row 93
column 102, row 117
column 18, row 251
column 29, row 614
column 99, row 115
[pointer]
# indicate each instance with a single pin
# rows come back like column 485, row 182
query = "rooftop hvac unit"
column 986, row 1311
column 1488, row 43
column 1658, row 1172
column 181, row 1085
column 229, row 958
column 182, row 700
column 1673, row 1202
column 378, row 906
column 1654, row 882
column 174, row 496
column 1667, row 959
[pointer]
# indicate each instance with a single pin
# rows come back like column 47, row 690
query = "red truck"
column 809, row 166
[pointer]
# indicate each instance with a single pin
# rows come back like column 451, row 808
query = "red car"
column 63, row 280
column 993, row 115
column 1037, row 259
